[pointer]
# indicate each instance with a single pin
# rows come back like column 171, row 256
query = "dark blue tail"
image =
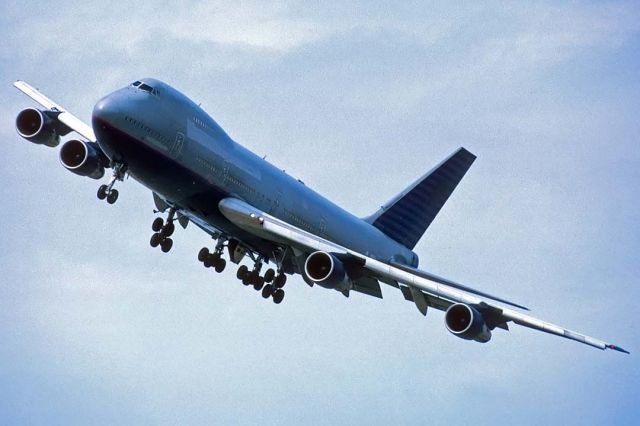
column 408, row 215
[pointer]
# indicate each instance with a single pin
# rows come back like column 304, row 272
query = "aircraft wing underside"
column 418, row 287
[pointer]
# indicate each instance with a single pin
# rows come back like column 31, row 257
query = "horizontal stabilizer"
column 408, row 215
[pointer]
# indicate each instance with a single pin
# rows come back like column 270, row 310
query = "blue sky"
column 357, row 100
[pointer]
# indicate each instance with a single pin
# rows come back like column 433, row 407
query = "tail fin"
column 408, row 215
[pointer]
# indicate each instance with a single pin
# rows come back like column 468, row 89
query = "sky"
column 357, row 100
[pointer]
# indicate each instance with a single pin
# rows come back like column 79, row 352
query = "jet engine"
column 467, row 323
column 39, row 127
column 83, row 158
column 326, row 270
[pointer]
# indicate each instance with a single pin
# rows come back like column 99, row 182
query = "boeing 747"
column 253, row 210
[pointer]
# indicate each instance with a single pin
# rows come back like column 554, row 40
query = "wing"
column 65, row 117
column 420, row 287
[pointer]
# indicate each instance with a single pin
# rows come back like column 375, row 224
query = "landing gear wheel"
column 278, row 295
column 157, row 223
column 242, row 272
column 258, row 283
column 248, row 278
column 202, row 254
column 251, row 278
column 102, row 193
column 267, row 290
column 280, row 281
column 213, row 259
column 113, row 196
column 220, row 265
column 268, row 276
column 156, row 239
column 168, row 229
column 166, row 245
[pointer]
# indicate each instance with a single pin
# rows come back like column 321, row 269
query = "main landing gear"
column 270, row 283
column 214, row 259
column 107, row 191
column 163, row 231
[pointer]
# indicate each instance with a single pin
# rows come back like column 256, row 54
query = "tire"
column 168, row 229
column 267, row 290
column 247, row 278
column 242, row 271
column 166, row 245
column 157, row 224
column 102, row 192
column 259, row 283
column 220, row 265
column 113, row 196
column 269, row 275
column 156, row 239
column 280, row 281
column 202, row 254
column 278, row 295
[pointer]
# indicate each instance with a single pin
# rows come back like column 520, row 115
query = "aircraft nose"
column 107, row 109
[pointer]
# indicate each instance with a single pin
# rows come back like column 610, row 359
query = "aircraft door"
column 275, row 202
column 177, row 146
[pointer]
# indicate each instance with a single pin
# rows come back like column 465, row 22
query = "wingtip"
column 618, row 348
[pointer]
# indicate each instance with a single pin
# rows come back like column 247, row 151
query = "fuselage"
column 177, row 150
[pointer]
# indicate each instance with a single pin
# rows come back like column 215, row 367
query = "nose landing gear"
column 107, row 191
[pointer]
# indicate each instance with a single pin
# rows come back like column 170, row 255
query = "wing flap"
column 368, row 286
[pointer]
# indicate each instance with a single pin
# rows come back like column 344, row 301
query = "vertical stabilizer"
column 408, row 215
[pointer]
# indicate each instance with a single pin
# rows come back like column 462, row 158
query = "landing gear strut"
column 163, row 231
column 107, row 191
column 214, row 259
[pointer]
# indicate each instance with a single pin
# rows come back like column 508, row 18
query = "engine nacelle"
column 38, row 127
column 326, row 270
column 467, row 323
column 83, row 158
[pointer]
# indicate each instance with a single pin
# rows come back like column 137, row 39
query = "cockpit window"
column 144, row 86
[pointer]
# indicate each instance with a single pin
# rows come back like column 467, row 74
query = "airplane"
column 197, row 173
